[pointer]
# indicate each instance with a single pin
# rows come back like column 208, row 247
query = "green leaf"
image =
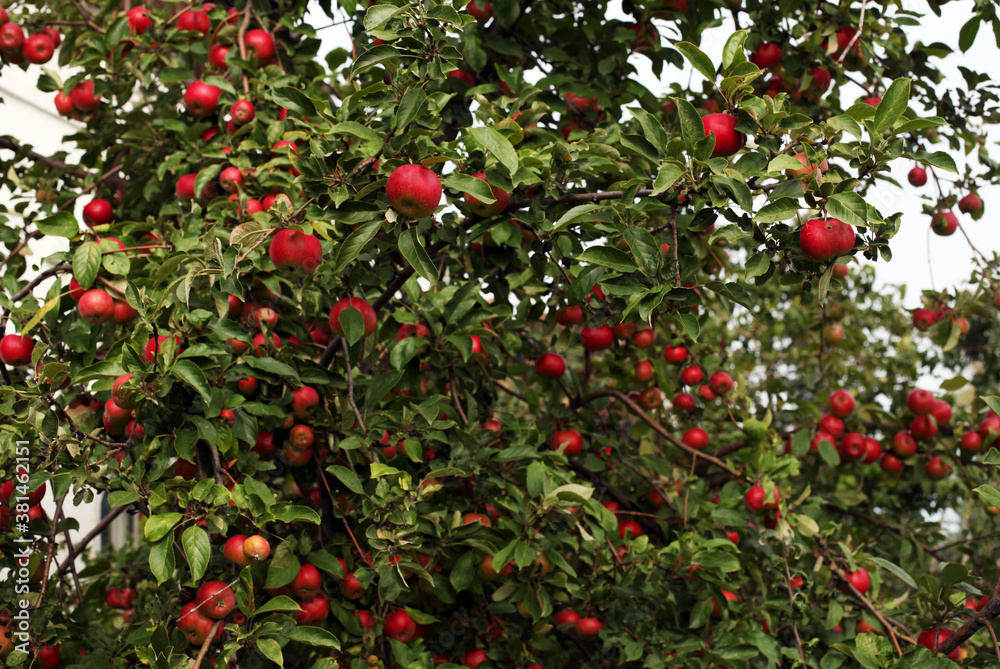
column 954, row 383
column 895, row 570
column 378, row 15
column 692, row 127
column 271, row 649
column 348, row 478
column 893, row 104
column 382, row 384
column 829, row 453
column 464, row 572
column 372, row 57
column 294, row 100
column 608, row 256
column 938, row 159
column 162, row 560
column 412, row 248
column 86, row 263
column 988, row 494
column 404, row 351
column 667, row 176
column 59, row 224
column 192, row 375
column 849, row 208
column 159, row 526
column 198, row 550
column 645, row 250
column 355, row 129
column 781, row 209
column 314, row 636
column 757, row 265
column 116, row 33
column 409, row 107
column 573, row 215
column 471, row 185
column 689, row 323
column 294, row 513
column 652, row 129
column 967, row 35
column 44, row 311
column 279, row 603
column 733, row 52
column 354, row 244
column 352, row 322
column 698, row 59
column 498, row 146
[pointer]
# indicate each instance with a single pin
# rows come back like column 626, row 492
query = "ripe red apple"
column 644, row 337
column 675, row 354
column 11, row 38
column 933, row 638
column 64, row 104
column 96, row 306
column 841, row 403
column 38, row 48
column 307, row 582
column 260, row 344
column 756, row 500
column 153, row 346
column 872, row 101
column 571, row 440
column 822, row 240
column 305, row 401
column 296, row 253
column 215, row 599
column 642, row 372
column 261, row 44
column 49, row 656
column 696, row 438
column 821, row 79
column 474, row 657
column 400, row 626
column 231, row 179
column 83, row 96
column 920, row 402
column 139, row 20
column 354, row 303
column 859, row 579
column 684, row 402
column 314, row 609
column 550, row 365
column 15, row 350
column 480, row 208
column 944, row 224
column 727, row 139
column 917, row 176
column 767, row 55
column 414, row 190
column 924, row 319
column 227, row 417
column 464, row 76
column 481, row 10
column 720, row 383
column 903, row 445
column 807, row 167
column 301, row 437
column 595, row 339
column 852, row 446
column 923, row 428
column 971, row 442
column 351, row 587
column 124, row 397
column 256, row 548
column 194, row 20
column 233, row 551
column 242, row 112
column 970, row 204
column 566, row 617
column 890, row 464
column 588, row 627
column 570, row 315
column 418, row 330
column 217, row 55
column 202, row 99
column 692, row 375
column 936, row 468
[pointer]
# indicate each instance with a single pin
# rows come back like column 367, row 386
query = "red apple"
column 480, row 208
column 15, row 350
column 924, row 319
column 934, row 637
column 139, row 20
column 920, row 402
column 595, row 339
column 11, row 38
column 917, row 176
column 242, row 112
column 841, row 403
column 400, row 626
column 859, row 579
column 571, row 440
column 215, row 599
column 261, row 44
column 194, row 20
column 727, row 139
column 414, row 190
column 38, row 48
column 767, row 55
column 550, row 365
column 233, row 551
column 481, row 10
column 307, row 582
column 937, row 469
column 202, row 99
column 83, row 96
column 903, row 445
column 944, row 224
column 296, row 253
column 358, row 304
column 96, row 306
column 970, row 204
column 822, row 240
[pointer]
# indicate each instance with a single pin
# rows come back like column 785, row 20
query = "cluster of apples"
column 12, row 495
column 17, row 49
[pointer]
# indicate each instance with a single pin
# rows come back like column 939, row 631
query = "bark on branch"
column 113, row 180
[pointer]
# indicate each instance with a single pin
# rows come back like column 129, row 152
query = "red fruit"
column 400, row 626
column 767, row 55
column 936, row 468
column 754, row 499
column 944, row 224
column 38, row 48
column 481, row 10
column 890, row 464
column 259, row 345
column 934, row 637
column 589, row 627
column 139, row 20
column 186, row 470
column 264, row 446
column 841, row 403
column 202, row 99
column 595, row 339
column 357, row 303
column 567, row 617
column 852, row 446
column 314, row 609
column 307, row 582
column 97, row 212
column 822, row 240
column 64, row 104
column 242, row 112
column 217, row 56
column 83, row 96
column 570, row 439
column 924, row 319
column 261, row 44
column 351, row 587
column 122, row 313
column 695, row 438
column 859, row 579
column 153, row 347
column 872, row 101
column 417, row 330
column 644, row 337
column 215, row 599
column 366, row 619
column 684, row 402
column 971, row 442
column 301, row 437
column 305, row 401
column 832, row 425
column 233, row 550
column 96, row 306
column 941, row 411
column 414, row 190
column 479, row 207
column 642, row 372
column 630, row 530
column 970, row 204
column 873, row 450
column 123, row 397
column 727, row 139
column 570, row 315
column 49, row 656
column 675, row 354
column 550, row 365
column 11, row 38
column 231, row 179
column 917, row 176
column 821, row 79
column 464, row 76
column 15, row 350
column 194, row 20
column 903, row 445
column 296, row 253
column 720, row 383
column 923, row 428
column 692, row 375
column 256, row 548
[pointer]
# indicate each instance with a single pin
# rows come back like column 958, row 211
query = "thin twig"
column 195, row 663
column 93, row 534
column 350, row 386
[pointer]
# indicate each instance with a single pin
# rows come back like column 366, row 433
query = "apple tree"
column 463, row 347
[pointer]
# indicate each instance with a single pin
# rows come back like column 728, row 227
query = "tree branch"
column 93, row 534
column 8, row 142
